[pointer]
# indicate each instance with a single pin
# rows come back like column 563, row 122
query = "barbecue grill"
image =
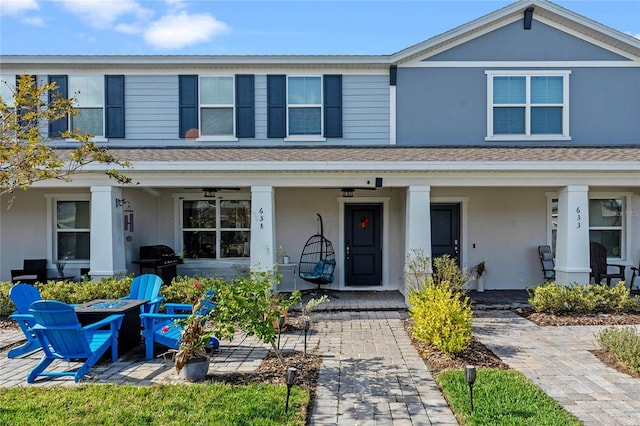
column 161, row 259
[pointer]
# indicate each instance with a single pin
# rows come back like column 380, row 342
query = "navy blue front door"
column 445, row 231
column 363, row 244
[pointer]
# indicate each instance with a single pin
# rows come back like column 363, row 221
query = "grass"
column 211, row 404
column 501, row 397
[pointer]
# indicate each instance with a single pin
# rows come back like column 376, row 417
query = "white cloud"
column 16, row 7
column 35, row 21
column 182, row 30
column 129, row 28
column 103, row 14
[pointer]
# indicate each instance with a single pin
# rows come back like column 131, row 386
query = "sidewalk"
column 557, row 359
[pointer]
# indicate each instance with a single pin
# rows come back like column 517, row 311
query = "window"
column 72, row 233
column 528, row 105
column 304, row 105
column 89, row 92
column 606, row 223
column 7, row 86
column 215, row 228
column 216, row 106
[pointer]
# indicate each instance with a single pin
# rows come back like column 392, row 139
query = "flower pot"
column 480, row 284
column 195, row 370
column 285, row 260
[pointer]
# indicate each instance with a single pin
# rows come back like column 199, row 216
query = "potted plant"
column 479, row 270
column 282, row 256
column 192, row 357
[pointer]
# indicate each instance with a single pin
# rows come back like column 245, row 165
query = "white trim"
column 392, row 115
column 52, row 198
column 320, row 105
column 522, row 64
column 528, row 105
column 201, row 106
column 384, row 201
column 305, row 138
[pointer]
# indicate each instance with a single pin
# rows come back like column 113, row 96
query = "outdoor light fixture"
column 470, row 377
column 209, row 192
column 347, row 192
column 291, row 377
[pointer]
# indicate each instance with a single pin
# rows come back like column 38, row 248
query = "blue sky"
column 211, row 27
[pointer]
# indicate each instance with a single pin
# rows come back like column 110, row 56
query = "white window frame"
column 79, row 106
column 214, row 138
column 527, row 136
column 295, row 138
column 178, row 199
column 8, row 82
column 52, row 231
column 625, row 231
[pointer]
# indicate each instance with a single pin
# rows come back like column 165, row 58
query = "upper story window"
column 89, row 93
column 528, row 105
column 216, row 106
column 307, row 108
column 100, row 105
column 304, row 105
column 7, row 86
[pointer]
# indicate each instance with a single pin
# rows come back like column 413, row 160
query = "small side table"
column 293, row 267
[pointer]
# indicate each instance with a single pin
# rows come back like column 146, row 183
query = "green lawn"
column 193, row 404
column 502, row 397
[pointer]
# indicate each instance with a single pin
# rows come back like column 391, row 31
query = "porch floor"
column 394, row 300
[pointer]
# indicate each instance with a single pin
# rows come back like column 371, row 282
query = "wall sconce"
column 121, row 202
column 347, row 192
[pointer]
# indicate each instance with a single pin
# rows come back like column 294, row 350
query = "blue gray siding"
column 540, row 43
column 151, row 105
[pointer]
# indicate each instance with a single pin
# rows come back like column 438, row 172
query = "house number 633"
column 578, row 218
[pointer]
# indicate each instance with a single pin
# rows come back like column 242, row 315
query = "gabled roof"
column 550, row 13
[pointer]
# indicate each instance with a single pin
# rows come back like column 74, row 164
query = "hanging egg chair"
column 318, row 260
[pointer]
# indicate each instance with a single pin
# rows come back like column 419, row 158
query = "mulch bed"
column 551, row 320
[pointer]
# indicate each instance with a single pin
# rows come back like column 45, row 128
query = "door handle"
column 456, row 248
column 347, row 251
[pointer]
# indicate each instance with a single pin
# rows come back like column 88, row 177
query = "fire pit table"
column 129, row 334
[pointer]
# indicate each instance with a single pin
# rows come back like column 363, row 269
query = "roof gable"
column 544, row 12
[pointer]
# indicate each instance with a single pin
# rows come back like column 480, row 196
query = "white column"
column 107, row 235
column 418, row 222
column 263, row 228
column 572, row 243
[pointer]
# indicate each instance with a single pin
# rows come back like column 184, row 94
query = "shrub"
column 189, row 290
column 6, row 305
column 554, row 298
column 624, row 343
column 445, row 270
column 442, row 317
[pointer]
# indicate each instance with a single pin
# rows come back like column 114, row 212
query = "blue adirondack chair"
column 23, row 295
column 62, row 337
column 147, row 287
column 162, row 329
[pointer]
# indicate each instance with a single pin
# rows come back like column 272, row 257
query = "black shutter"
column 23, row 110
column 276, row 106
column 245, row 106
column 61, row 125
column 114, row 106
column 188, row 104
column 332, row 106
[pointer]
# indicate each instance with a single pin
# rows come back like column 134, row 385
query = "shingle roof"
column 388, row 153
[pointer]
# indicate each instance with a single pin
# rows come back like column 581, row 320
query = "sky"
column 263, row 27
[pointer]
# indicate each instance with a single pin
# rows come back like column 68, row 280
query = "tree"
column 26, row 156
